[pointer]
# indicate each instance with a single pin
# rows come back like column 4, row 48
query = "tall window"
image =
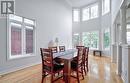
column 21, row 34
column 94, row 11
column 105, row 6
column 106, row 39
column 16, row 39
column 85, row 15
column 76, row 39
column 91, row 39
column 76, row 15
column 128, row 37
column 90, row 12
column 128, row 33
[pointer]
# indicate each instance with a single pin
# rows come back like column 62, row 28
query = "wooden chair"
column 54, row 49
column 48, row 64
column 61, row 48
column 78, row 64
column 77, row 47
column 85, row 59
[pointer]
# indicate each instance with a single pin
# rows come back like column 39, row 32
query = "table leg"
column 67, row 71
column 94, row 53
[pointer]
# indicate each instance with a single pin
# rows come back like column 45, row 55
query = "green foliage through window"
column 90, row 39
column 106, row 39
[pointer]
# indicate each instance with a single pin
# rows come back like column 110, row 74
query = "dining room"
column 64, row 41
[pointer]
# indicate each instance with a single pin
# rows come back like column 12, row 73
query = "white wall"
column 54, row 19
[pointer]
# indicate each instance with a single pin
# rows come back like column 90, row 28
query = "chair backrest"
column 85, row 52
column 61, row 48
column 77, row 47
column 80, row 56
column 47, row 58
column 54, row 49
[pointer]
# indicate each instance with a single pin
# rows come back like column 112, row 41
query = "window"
column 76, row 39
column 105, row 6
column 106, row 39
column 94, row 11
column 85, row 14
column 91, row 39
column 90, row 12
column 128, row 37
column 21, row 37
column 76, row 15
column 16, row 37
column 128, row 33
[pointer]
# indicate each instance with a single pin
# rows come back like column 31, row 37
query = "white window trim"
column 83, row 15
column 96, row 4
column 78, row 15
column 90, row 12
column 106, row 49
column 75, row 34
column 103, row 11
column 9, row 57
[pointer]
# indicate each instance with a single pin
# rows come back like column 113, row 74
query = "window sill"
column 105, row 13
column 20, row 56
column 94, row 49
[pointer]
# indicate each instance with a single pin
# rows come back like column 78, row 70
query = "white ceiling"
column 78, row 3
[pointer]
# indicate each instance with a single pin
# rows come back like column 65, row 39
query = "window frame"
column 78, row 10
column 103, row 7
column 97, row 42
column 23, row 45
column 90, row 15
column 73, row 43
column 84, row 15
column 106, row 30
column 96, row 4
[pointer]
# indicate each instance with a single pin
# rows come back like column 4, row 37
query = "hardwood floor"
column 101, row 70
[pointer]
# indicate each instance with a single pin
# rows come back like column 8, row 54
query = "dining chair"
column 54, row 49
column 77, row 64
column 85, row 59
column 77, row 47
column 49, row 66
column 61, row 48
column 85, row 55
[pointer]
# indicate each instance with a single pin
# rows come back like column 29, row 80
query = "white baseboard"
column 17, row 68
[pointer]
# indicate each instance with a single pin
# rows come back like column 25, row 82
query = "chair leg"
column 43, row 76
column 42, row 80
column 82, row 71
column 52, row 78
column 77, row 76
column 87, row 65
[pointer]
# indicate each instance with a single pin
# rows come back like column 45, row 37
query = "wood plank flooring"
column 101, row 70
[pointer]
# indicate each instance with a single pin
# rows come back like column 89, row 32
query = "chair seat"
column 55, row 68
column 58, row 60
column 73, row 65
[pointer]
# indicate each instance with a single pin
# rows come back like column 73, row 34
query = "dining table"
column 67, row 56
